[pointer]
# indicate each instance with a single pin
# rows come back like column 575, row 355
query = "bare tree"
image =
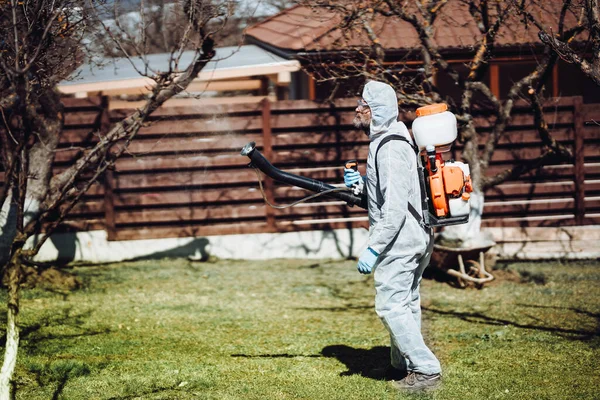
column 41, row 42
column 154, row 26
column 588, row 13
column 361, row 23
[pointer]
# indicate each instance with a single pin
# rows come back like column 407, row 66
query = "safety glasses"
column 362, row 104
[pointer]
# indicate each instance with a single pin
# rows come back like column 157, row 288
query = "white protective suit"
column 404, row 246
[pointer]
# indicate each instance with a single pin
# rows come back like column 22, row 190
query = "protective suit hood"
column 383, row 103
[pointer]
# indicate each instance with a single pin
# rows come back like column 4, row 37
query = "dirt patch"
column 504, row 275
column 51, row 278
column 500, row 276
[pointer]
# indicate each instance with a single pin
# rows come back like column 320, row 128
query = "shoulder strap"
column 387, row 139
column 411, row 208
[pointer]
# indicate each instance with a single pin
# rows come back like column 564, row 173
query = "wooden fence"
column 184, row 175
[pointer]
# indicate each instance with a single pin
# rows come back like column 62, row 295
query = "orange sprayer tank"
column 449, row 182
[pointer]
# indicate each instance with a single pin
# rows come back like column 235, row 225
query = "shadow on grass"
column 57, row 373
column 336, row 309
column 372, row 363
column 143, row 394
column 282, row 355
column 35, row 340
column 479, row 318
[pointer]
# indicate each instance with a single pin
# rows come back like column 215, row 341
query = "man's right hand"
column 351, row 177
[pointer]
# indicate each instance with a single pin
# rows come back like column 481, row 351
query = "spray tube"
column 357, row 188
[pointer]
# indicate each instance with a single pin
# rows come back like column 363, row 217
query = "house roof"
column 228, row 62
column 308, row 29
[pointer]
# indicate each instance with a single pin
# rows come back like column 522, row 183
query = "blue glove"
column 351, row 176
column 367, row 261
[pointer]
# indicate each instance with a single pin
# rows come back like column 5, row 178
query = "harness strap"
column 411, row 208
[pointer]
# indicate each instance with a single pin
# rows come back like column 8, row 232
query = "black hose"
column 295, row 203
column 257, row 160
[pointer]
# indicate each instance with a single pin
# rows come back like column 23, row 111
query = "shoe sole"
column 433, row 386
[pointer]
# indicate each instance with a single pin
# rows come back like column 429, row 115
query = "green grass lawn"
column 301, row 329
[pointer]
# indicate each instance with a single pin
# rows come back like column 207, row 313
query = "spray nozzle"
column 248, row 148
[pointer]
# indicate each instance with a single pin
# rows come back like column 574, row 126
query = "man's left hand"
column 367, row 261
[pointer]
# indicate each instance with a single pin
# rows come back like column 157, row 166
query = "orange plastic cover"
column 454, row 180
column 468, row 184
column 436, row 186
column 431, row 109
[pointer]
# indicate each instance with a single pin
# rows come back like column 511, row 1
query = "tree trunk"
column 39, row 167
column 8, row 228
column 13, row 275
column 8, row 223
column 470, row 233
column 12, row 278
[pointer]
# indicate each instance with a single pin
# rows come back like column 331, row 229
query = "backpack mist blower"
column 445, row 185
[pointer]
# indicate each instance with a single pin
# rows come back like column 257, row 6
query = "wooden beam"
column 579, row 160
column 109, row 178
column 555, row 92
column 223, row 86
column 208, row 74
column 495, row 79
column 109, row 205
column 191, row 101
column 195, row 86
column 268, row 153
column 517, row 58
column 263, row 90
column 311, row 88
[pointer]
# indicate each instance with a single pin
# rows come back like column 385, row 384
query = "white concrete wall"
column 512, row 243
column 93, row 247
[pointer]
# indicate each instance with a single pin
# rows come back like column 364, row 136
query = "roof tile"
column 311, row 29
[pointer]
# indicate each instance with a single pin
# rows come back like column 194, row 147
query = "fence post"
column 579, row 160
column 109, row 176
column 109, row 204
column 268, row 152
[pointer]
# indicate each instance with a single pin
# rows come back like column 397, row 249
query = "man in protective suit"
column 399, row 248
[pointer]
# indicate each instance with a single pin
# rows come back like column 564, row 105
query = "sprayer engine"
column 449, row 186
column 448, row 183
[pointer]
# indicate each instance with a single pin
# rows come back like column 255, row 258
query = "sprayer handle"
column 352, row 164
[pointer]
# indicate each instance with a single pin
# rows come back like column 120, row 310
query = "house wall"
column 568, row 81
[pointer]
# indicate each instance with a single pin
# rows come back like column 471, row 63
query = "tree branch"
column 567, row 54
column 62, row 185
column 542, row 127
column 560, row 44
column 484, row 52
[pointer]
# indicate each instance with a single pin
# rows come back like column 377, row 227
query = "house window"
column 511, row 73
column 448, row 88
column 572, row 82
